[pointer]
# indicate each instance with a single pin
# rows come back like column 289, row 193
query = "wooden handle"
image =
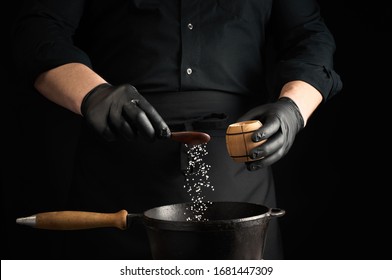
column 74, row 220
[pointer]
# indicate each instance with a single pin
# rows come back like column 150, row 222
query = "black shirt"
column 172, row 45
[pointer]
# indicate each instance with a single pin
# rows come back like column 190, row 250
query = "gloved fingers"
column 269, row 147
column 127, row 131
column 271, row 125
column 264, row 162
column 118, row 124
column 161, row 128
column 98, row 122
column 108, row 135
column 124, row 129
column 138, row 120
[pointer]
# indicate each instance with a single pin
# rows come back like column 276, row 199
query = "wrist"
column 305, row 96
column 85, row 101
column 294, row 108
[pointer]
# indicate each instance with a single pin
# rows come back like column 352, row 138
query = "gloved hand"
column 281, row 121
column 122, row 112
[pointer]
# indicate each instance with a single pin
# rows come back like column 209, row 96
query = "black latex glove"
column 117, row 112
column 281, row 121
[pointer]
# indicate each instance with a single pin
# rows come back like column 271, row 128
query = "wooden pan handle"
column 75, row 220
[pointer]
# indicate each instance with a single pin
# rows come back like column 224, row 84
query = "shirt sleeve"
column 305, row 46
column 43, row 36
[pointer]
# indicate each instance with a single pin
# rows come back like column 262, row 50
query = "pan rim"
column 218, row 224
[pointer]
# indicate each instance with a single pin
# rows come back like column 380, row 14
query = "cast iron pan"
column 229, row 230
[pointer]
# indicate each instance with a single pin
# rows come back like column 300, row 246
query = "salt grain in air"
column 196, row 181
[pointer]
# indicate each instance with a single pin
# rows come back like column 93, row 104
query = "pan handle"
column 75, row 220
column 276, row 212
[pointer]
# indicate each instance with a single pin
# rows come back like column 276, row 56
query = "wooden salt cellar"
column 239, row 139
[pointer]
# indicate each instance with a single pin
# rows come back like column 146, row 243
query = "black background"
column 334, row 184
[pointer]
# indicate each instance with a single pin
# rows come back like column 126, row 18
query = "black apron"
column 138, row 175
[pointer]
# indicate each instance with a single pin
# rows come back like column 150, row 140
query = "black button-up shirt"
column 188, row 45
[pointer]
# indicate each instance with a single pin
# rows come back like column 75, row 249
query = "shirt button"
column 190, row 26
column 189, row 71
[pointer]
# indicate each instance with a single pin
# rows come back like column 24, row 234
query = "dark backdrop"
column 333, row 184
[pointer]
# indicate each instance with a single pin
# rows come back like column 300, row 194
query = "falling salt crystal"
column 197, row 181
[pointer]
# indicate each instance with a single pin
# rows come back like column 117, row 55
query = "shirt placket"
column 190, row 44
